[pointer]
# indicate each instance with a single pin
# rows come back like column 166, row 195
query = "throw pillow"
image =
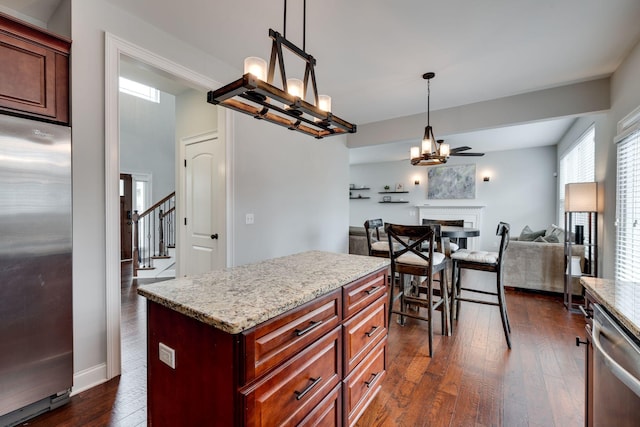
column 556, row 231
column 527, row 235
column 541, row 239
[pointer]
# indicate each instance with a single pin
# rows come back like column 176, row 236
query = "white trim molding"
column 114, row 48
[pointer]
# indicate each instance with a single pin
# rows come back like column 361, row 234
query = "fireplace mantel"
column 472, row 216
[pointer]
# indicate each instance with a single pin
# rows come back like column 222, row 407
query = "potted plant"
column 386, row 188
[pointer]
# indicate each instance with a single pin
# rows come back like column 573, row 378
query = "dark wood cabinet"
column 317, row 364
column 34, row 76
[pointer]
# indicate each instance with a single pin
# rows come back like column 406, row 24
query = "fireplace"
column 472, row 216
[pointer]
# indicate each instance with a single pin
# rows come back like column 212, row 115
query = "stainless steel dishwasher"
column 616, row 373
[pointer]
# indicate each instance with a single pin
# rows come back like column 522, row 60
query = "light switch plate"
column 249, row 218
column 167, row 355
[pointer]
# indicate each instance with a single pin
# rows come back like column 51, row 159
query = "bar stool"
column 407, row 258
column 483, row 261
column 377, row 247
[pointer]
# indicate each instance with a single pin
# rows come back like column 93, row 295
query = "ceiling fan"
column 460, row 151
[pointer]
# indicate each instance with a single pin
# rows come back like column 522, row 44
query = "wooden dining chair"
column 483, row 261
column 419, row 295
column 377, row 246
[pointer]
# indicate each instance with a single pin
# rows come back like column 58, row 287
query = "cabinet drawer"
column 361, row 293
column 328, row 413
column 270, row 344
column 293, row 390
column 364, row 383
column 363, row 331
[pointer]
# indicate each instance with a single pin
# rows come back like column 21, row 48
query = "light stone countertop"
column 622, row 299
column 236, row 299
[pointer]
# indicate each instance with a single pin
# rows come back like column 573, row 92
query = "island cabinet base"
column 318, row 364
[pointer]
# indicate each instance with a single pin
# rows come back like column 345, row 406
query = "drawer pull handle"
column 372, row 290
column 301, row 394
column 312, row 326
column 372, row 331
column 373, row 379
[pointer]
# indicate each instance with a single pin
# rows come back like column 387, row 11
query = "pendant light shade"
column 256, row 67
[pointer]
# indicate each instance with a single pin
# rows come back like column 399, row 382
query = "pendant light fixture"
column 255, row 94
column 433, row 152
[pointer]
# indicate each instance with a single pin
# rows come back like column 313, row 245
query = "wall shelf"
column 392, row 192
column 395, row 201
column 354, row 195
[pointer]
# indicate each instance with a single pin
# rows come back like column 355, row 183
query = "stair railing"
column 154, row 232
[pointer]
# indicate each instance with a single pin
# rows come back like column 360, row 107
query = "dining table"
column 460, row 233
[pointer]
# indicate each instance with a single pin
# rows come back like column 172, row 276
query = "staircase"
column 154, row 237
column 163, row 268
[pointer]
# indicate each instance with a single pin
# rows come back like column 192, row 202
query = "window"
column 141, row 191
column 140, row 90
column 577, row 165
column 628, row 199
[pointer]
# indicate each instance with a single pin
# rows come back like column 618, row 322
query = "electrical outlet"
column 167, row 355
column 249, row 218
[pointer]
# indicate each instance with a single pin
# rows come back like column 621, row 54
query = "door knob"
column 214, row 236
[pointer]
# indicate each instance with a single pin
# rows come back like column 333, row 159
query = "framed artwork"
column 399, row 187
column 452, row 182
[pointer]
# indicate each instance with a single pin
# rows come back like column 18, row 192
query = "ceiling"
column 371, row 54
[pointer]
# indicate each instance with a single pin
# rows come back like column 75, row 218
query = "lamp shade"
column 324, row 102
column 256, row 66
column 581, row 197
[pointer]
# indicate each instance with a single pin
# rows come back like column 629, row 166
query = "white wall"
column 147, row 140
column 521, row 191
column 268, row 174
column 194, row 115
column 295, row 186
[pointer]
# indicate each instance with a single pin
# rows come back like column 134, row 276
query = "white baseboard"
column 89, row 378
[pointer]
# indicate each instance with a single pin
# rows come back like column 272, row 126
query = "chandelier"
column 256, row 95
column 433, row 152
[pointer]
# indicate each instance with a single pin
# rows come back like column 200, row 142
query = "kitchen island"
column 294, row 340
column 621, row 299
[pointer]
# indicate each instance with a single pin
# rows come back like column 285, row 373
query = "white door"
column 204, row 204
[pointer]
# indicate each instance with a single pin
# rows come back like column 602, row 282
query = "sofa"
column 537, row 264
column 358, row 241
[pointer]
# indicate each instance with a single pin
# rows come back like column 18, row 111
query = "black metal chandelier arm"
column 304, row 23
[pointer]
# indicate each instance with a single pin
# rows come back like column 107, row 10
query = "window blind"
column 628, row 208
column 577, row 165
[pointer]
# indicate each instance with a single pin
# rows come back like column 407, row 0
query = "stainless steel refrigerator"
column 36, row 336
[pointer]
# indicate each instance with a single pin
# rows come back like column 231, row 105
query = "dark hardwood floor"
column 472, row 379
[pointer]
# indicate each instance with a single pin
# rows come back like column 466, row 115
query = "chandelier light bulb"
column 324, row 103
column 415, row 152
column 295, row 87
column 256, row 66
column 444, row 150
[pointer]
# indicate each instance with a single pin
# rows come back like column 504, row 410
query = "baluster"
column 136, row 255
column 163, row 251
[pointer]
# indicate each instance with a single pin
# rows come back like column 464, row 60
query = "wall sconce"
column 416, row 182
column 486, row 178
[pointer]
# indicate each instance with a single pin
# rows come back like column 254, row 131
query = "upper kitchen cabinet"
column 34, row 76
